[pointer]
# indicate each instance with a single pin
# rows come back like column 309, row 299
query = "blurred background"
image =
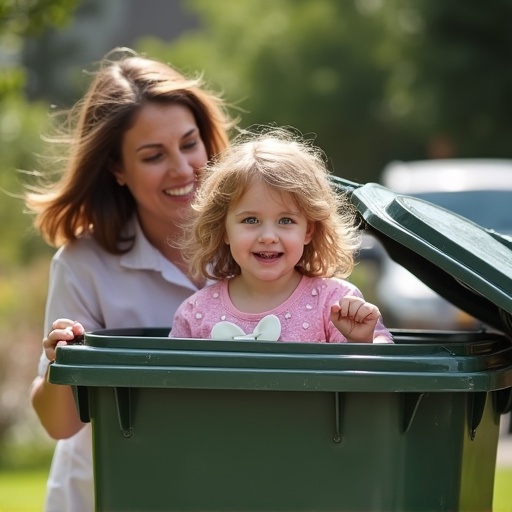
column 372, row 81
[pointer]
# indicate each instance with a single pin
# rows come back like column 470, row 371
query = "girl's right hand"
column 63, row 331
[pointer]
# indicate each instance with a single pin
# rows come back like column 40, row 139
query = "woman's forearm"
column 55, row 406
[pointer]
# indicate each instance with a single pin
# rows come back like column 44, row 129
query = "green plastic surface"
column 465, row 263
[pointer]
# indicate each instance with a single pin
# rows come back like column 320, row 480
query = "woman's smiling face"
column 162, row 152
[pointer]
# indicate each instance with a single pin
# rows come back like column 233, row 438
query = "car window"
column 489, row 208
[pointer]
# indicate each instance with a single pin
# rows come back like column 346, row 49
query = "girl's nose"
column 268, row 236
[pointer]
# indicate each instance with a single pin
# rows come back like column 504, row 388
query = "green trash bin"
column 203, row 425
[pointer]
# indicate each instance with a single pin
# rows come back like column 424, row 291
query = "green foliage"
column 21, row 125
column 317, row 66
column 22, row 288
column 31, row 17
column 20, row 19
column 22, row 298
column 375, row 81
column 31, row 453
column 463, row 78
column 21, row 122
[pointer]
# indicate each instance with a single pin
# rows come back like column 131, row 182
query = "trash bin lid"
column 467, row 264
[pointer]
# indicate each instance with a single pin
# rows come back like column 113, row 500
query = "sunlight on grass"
column 503, row 490
column 22, row 491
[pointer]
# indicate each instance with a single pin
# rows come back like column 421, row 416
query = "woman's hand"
column 63, row 332
column 355, row 318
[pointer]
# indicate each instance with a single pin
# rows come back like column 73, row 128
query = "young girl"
column 279, row 241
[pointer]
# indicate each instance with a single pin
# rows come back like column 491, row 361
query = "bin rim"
column 149, row 358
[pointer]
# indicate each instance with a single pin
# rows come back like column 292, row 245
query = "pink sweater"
column 304, row 316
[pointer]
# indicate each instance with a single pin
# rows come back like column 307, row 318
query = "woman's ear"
column 117, row 170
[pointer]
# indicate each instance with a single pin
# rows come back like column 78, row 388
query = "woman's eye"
column 189, row 145
column 152, row 158
column 250, row 220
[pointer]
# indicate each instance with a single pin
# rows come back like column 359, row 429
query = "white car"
column 478, row 189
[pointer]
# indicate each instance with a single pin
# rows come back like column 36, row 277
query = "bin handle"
column 338, row 416
column 503, row 400
column 410, row 403
column 124, row 410
column 476, row 411
column 81, row 396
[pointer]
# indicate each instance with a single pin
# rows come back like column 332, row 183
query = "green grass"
column 503, row 490
column 23, row 472
column 23, row 491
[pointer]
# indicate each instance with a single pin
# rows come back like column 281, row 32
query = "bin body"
column 258, row 426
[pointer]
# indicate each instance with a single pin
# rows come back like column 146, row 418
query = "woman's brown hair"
column 86, row 198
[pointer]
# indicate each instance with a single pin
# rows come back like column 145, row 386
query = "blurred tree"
column 319, row 66
column 21, row 123
column 20, row 128
column 457, row 90
column 20, row 19
column 60, row 79
column 31, row 17
column 374, row 80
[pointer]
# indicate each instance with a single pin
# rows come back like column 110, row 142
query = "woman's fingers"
column 63, row 332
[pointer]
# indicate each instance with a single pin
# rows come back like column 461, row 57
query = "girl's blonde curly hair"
column 290, row 164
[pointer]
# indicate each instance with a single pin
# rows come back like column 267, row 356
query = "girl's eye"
column 250, row 220
column 285, row 220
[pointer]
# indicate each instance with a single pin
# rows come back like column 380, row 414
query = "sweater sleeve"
column 181, row 326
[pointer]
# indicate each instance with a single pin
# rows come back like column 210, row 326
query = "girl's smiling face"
column 161, row 154
column 266, row 233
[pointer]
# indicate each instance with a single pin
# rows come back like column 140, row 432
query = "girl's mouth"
column 268, row 255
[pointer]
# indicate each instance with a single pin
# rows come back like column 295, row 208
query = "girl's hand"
column 355, row 318
column 63, row 331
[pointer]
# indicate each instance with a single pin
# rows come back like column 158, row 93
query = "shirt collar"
column 144, row 256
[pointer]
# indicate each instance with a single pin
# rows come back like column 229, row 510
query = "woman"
column 138, row 140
